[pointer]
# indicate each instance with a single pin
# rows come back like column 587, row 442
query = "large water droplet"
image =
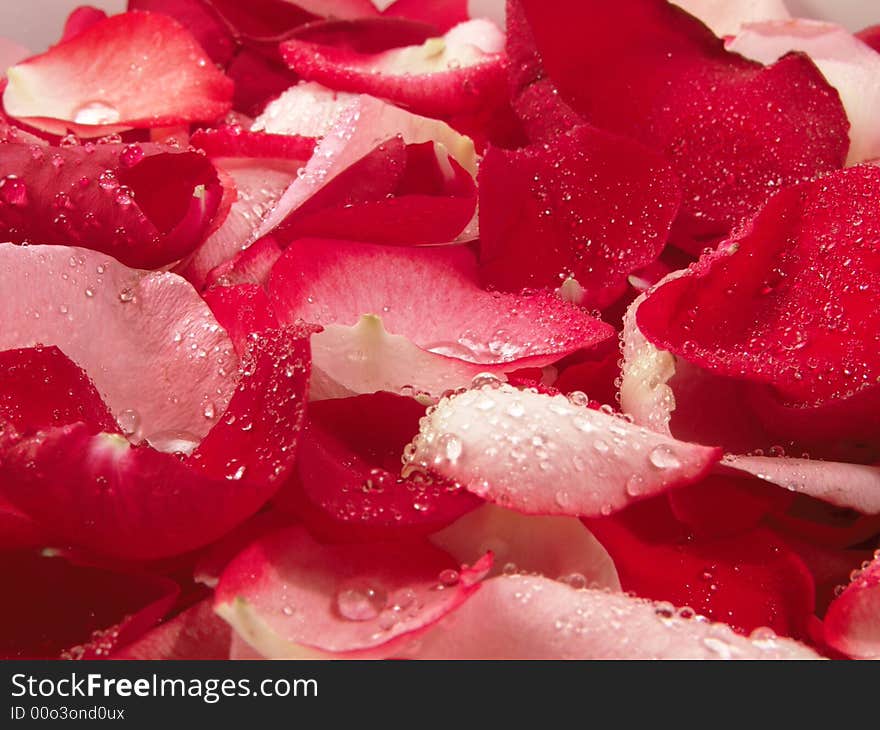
column 360, row 601
column 173, row 442
column 664, row 458
column 96, row 112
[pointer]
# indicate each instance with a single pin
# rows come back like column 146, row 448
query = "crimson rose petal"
column 146, row 205
column 734, row 130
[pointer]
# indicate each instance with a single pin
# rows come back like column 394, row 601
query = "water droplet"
column 173, row 442
column 360, row 601
column 13, row 191
column 126, row 296
column 287, row 610
column 129, row 421
column 96, row 112
column 664, row 457
column 449, row 577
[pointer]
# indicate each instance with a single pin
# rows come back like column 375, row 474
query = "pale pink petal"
column 725, row 17
column 543, row 454
column 854, row 486
column 852, row 624
column 159, row 358
column 561, row 548
column 528, row 617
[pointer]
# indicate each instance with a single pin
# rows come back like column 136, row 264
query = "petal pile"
column 308, row 332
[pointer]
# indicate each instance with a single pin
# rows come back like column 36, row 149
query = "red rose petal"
column 530, row 617
column 353, row 128
column 459, row 72
column 251, row 266
column 60, row 609
column 588, row 205
column 261, row 166
column 160, row 360
column 197, row 633
column 852, row 624
column 768, row 127
column 17, row 530
column 788, row 299
column 287, row 594
column 748, row 580
column 145, row 204
column 847, row 63
column 556, row 547
column 442, row 14
column 437, row 332
column 97, row 490
column 242, row 311
column 348, row 486
column 870, row 36
column 543, row 454
column 113, row 76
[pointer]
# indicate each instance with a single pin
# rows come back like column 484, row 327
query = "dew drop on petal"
column 360, row 601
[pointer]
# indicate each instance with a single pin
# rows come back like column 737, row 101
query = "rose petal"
column 734, row 130
column 242, row 311
column 57, row 609
column 851, row 624
column 847, row 63
column 452, row 328
column 556, row 547
column 845, row 485
column 145, row 204
column 787, row 300
column 197, row 633
column 747, row 580
column 442, row 14
column 69, row 88
column 97, row 490
column 530, row 617
column 542, row 454
column 81, row 19
column 459, row 72
column 347, row 486
column 287, row 593
column 251, row 266
column 360, row 125
column 161, row 358
column 589, row 205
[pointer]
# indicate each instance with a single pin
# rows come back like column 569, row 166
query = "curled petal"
column 726, row 17
column 543, row 454
column 146, row 205
column 161, row 359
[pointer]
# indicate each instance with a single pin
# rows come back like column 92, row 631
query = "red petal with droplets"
column 287, row 595
column 734, row 130
column 788, row 300
column 590, row 205
column 81, row 19
column 747, row 580
column 144, row 204
column 97, row 490
column 60, row 609
column 348, row 486
column 130, row 70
